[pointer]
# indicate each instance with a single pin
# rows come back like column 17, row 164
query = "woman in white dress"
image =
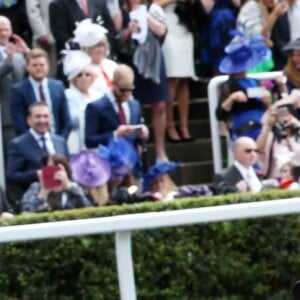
column 178, row 50
column 78, row 69
column 92, row 39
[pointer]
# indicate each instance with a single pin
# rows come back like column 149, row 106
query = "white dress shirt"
column 249, row 176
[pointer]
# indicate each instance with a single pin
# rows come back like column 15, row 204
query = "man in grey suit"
column 241, row 176
column 38, row 17
column 12, row 70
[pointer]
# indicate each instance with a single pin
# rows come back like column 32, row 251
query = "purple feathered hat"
column 88, row 169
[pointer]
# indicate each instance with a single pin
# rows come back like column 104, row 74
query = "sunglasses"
column 125, row 89
column 84, row 74
column 250, row 150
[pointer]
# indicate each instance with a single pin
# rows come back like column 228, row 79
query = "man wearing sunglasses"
column 241, row 176
column 116, row 114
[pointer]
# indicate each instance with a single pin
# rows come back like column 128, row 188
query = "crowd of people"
column 75, row 75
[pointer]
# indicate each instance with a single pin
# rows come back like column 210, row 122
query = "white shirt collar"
column 37, row 136
column 44, row 82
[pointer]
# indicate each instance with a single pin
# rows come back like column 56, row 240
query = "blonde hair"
column 122, row 72
column 99, row 194
column 169, row 184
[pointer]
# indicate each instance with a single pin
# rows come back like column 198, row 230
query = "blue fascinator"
column 89, row 169
column 121, row 155
column 243, row 53
column 158, row 169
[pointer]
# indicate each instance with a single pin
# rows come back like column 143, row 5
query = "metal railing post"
column 125, row 265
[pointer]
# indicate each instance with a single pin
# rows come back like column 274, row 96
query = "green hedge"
column 248, row 259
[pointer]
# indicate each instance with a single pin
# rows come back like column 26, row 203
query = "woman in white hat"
column 78, row 69
column 92, row 39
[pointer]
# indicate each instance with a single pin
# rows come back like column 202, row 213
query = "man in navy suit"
column 25, row 151
column 37, row 87
column 115, row 113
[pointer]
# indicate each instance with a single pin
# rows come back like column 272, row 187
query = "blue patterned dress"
column 214, row 35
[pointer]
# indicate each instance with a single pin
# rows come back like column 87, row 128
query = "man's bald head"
column 245, row 151
column 5, row 30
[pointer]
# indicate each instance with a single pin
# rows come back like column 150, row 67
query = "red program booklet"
column 48, row 177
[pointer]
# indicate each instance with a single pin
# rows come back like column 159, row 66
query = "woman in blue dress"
column 214, row 34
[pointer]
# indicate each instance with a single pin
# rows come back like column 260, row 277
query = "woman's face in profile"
column 160, row 184
column 296, row 59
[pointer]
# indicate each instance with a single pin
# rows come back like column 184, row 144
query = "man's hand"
column 123, row 130
column 242, row 186
column 20, row 45
column 44, row 41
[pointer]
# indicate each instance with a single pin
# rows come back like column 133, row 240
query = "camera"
column 279, row 129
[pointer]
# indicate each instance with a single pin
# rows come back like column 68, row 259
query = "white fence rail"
column 123, row 225
column 213, row 98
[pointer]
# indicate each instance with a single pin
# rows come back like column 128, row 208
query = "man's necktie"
column 84, row 7
column 43, row 142
column 42, row 94
column 122, row 115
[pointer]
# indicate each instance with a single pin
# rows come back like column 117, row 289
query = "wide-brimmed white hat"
column 74, row 62
column 88, row 34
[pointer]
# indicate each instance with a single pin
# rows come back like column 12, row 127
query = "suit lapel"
column 28, row 91
column 37, row 150
column 111, row 110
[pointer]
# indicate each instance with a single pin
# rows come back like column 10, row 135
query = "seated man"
column 25, row 151
column 241, row 176
column 115, row 113
column 38, row 87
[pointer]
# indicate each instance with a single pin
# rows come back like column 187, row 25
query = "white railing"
column 123, row 225
column 213, row 98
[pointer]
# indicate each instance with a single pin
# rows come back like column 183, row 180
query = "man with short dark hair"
column 38, row 87
column 26, row 150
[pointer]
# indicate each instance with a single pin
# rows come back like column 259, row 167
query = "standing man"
column 65, row 13
column 26, row 150
column 241, row 176
column 38, row 87
column 12, row 70
column 38, row 17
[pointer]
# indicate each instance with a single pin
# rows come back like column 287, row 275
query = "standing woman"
column 258, row 17
column 215, row 32
column 92, row 39
column 178, row 44
column 147, row 61
column 78, row 70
